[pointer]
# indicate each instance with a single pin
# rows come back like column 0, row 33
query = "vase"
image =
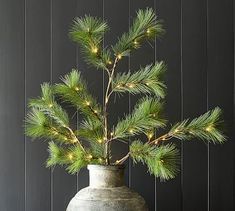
column 107, row 192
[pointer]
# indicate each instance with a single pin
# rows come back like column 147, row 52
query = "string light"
column 148, row 31
column 55, row 133
column 65, row 138
column 74, row 140
column 100, row 141
column 76, row 88
column 118, row 86
column 163, row 138
column 156, row 142
column 109, row 62
column 162, row 161
column 135, row 42
column 117, row 161
column 131, row 85
column 100, row 159
column 150, row 135
column 70, row 156
column 111, row 134
column 119, row 56
column 95, row 111
column 88, row 103
column 209, row 128
column 176, row 130
column 50, row 105
column 94, row 50
column 90, row 156
column 131, row 131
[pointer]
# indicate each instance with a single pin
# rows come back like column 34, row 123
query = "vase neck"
column 106, row 176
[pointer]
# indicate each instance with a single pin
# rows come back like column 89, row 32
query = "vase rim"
column 105, row 167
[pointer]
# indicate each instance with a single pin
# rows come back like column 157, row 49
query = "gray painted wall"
column 198, row 48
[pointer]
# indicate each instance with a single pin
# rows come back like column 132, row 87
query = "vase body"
column 106, row 192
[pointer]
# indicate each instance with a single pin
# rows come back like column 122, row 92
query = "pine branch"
column 37, row 125
column 74, row 158
column 146, row 115
column 145, row 27
column 93, row 132
column 89, row 32
column 205, row 127
column 146, row 80
column 47, row 104
column 74, row 91
column 161, row 161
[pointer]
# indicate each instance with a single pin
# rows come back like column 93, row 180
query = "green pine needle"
column 205, row 127
column 146, row 116
column 89, row 32
column 145, row 27
column 146, row 80
column 74, row 91
column 162, row 161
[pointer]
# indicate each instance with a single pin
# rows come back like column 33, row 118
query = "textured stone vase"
column 107, row 192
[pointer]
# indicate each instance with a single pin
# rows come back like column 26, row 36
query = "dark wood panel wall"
column 199, row 50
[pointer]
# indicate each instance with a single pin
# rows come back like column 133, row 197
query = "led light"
column 150, row 135
column 55, row 133
column 209, row 128
column 95, row 111
column 50, row 105
column 76, row 88
column 90, row 156
column 148, row 31
column 111, row 133
column 131, row 85
column 135, row 42
column 131, row 131
column 176, row 130
column 94, row 50
column 70, row 156
column 100, row 141
column 88, row 103
column 109, row 62
column 74, row 140
column 119, row 56
column 100, row 159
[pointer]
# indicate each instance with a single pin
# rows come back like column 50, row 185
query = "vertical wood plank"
column 220, row 91
column 194, row 72
column 118, row 105
column 12, row 105
column 141, row 57
column 93, row 77
column 168, row 49
column 63, row 60
column 37, row 71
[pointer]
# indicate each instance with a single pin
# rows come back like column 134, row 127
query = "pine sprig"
column 145, row 27
column 74, row 158
column 37, row 125
column 147, row 114
column 74, row 91
column 147, row 80
column 89, row 32
column 93, row 132
column 162, row 161
column 47, row 104
column 204, row 127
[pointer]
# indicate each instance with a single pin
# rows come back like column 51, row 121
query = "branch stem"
column 106, row 100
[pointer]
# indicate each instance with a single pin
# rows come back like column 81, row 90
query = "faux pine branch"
column 90, row 143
